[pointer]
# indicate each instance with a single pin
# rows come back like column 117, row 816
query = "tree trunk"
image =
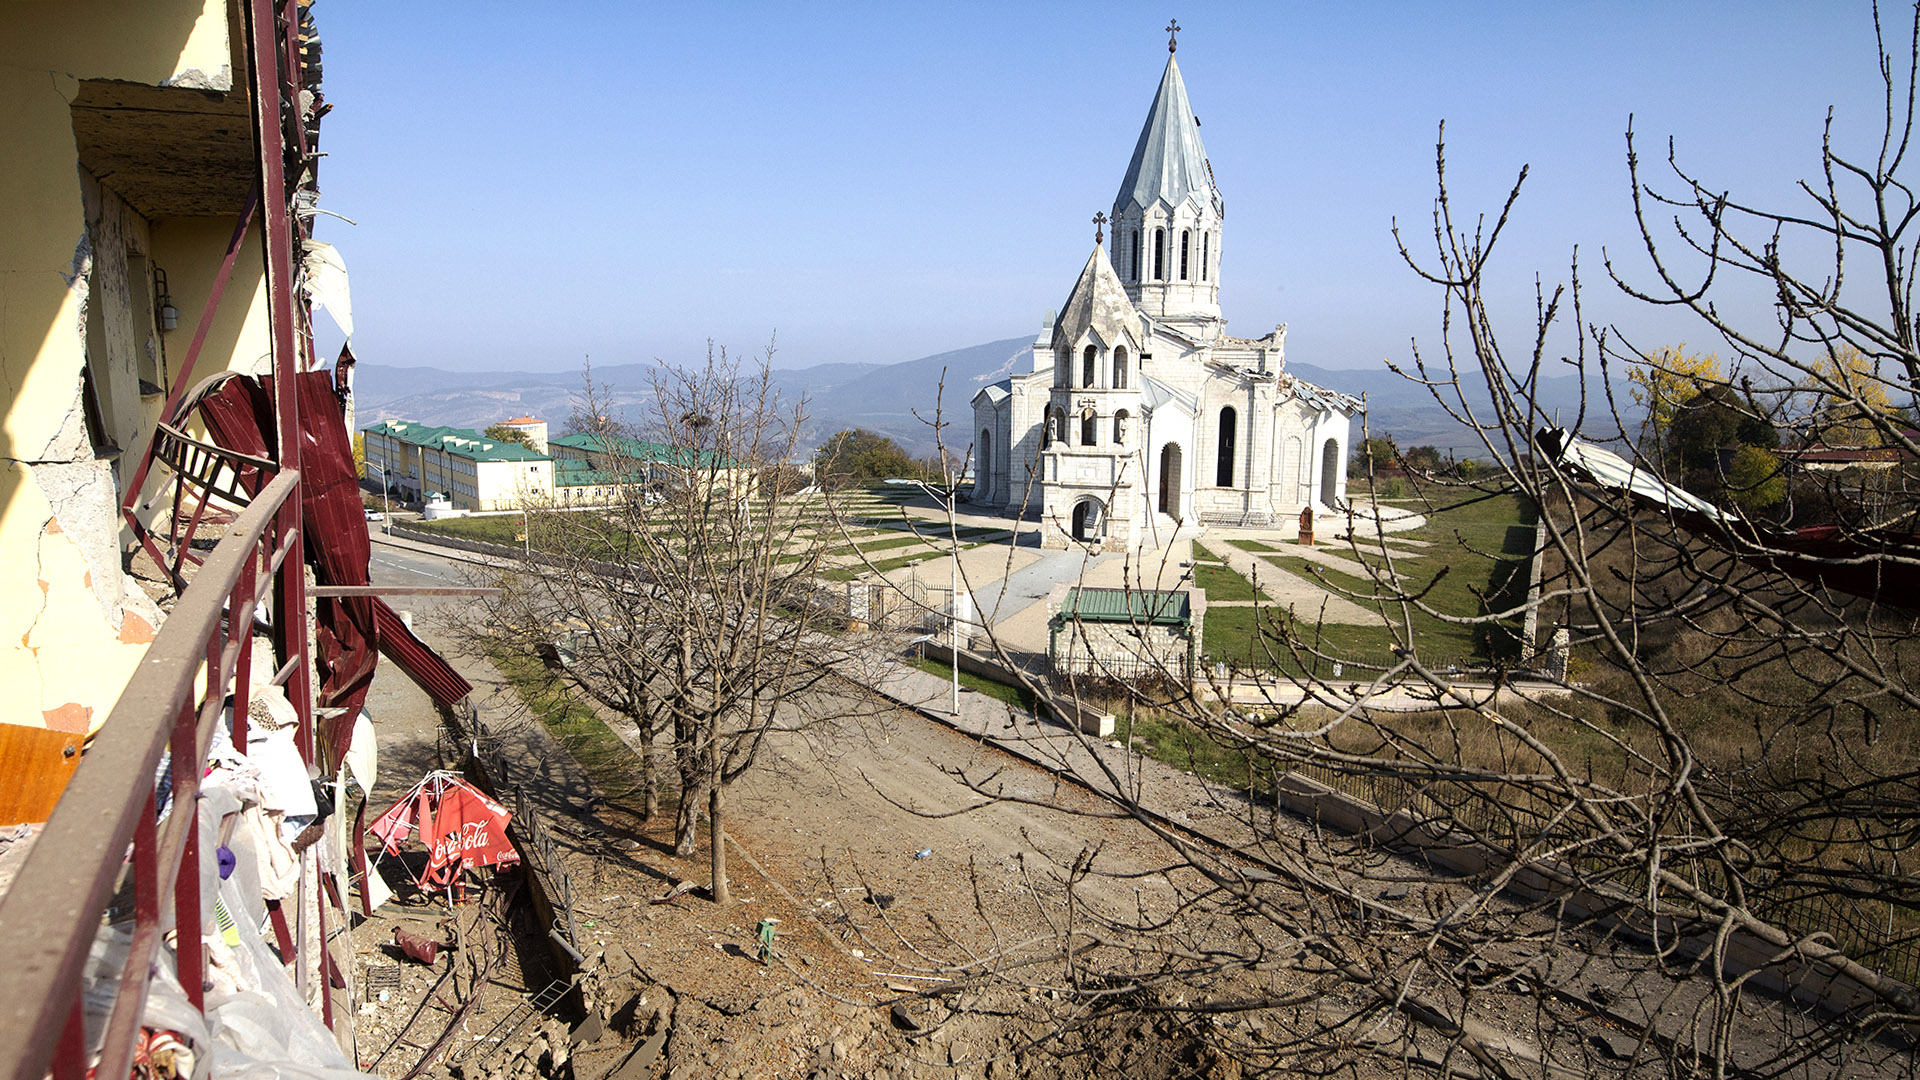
column 686, row 823
column 649, row 766
column 649, row 774
column 693, row 785
column 717, row 842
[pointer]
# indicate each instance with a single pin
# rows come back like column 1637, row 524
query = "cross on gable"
column 1173, row 35
column 1100, row 227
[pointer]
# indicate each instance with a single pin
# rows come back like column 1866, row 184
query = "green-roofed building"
column 471, row 470
column 1124, row 633
column 656, row 466
column 482, row 474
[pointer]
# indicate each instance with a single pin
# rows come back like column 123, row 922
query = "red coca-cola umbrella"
column 458, row 823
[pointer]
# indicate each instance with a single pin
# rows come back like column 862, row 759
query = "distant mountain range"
column 879, row 397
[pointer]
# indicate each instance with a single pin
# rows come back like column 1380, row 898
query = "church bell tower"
column 1167, row 216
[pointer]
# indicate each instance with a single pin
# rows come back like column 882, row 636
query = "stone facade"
column 1124, row 634
column 1140, row 413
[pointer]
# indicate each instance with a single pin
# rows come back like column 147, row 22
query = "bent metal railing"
column 53, row 911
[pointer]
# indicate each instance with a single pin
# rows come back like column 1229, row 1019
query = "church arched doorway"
column 1170, row 470
column 1086, row 521
column 1330, row 473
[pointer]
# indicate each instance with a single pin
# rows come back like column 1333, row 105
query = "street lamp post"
column 386, row 504
column 945, row 494
column 953, row 604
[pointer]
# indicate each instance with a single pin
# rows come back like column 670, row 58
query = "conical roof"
column 1098, row 302
column 1169, row 163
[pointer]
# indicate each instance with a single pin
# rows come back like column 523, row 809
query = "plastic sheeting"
column 256, row 1027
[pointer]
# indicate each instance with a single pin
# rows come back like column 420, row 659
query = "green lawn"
column 1253, row 545
column 494, row 529
column 605, row 757
column 1223, row 583
column 1181, row 746
column 893, row 542
column 1478, row 560
column 1016, row 696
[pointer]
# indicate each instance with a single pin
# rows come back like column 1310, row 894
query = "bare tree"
column 1670, row 831
column 677, row 590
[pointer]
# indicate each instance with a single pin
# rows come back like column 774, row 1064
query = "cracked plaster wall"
column 73, row 626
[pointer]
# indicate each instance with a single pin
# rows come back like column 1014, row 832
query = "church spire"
column 1169, row 162
column 1167, row 215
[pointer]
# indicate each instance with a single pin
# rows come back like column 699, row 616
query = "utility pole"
column 386, row 504
column 953, row 602
column 953, row 587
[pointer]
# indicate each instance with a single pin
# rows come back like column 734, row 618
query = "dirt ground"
column 819, row 849
column 889, row 878
column 829, row 836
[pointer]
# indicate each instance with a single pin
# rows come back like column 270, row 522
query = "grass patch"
column 503, row 529
column 1253, row 545
column 1256, row 638
column 1173, row 742
column 1016, row 696
column 894, row 542
column 602, row 754
column 1224, row 583
column 1477, row 561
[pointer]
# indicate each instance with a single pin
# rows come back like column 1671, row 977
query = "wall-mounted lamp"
column 169, row 315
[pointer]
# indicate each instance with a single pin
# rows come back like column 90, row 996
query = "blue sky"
column 535, row 183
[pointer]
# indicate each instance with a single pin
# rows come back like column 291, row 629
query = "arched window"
column 1120, row 428
column 1119, row 367
column 1186, row 241
column 1133, row 264
column 1089, row 428
column 1159, row 254
column 1088, row 359
column 1223, row 473
column 1206, row 253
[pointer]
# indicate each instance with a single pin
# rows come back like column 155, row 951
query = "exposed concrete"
column 196, row 79
column 86, row 503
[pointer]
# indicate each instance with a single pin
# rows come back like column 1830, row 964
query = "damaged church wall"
column 76, row 290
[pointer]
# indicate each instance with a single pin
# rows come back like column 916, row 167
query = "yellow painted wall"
column 72, row 628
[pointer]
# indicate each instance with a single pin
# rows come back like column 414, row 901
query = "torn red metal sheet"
column 424, row 666
column 338, row 550
column 239, row 415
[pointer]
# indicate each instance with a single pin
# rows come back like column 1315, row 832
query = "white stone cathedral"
column 1141, row 414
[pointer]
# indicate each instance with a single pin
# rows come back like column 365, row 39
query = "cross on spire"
column 1173, row 35
column 1100, row 227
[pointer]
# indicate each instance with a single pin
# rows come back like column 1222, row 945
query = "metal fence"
column 1869, row 931
column 496, row 776
column 53, row 911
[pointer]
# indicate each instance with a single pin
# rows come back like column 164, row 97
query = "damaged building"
column 183, row 561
